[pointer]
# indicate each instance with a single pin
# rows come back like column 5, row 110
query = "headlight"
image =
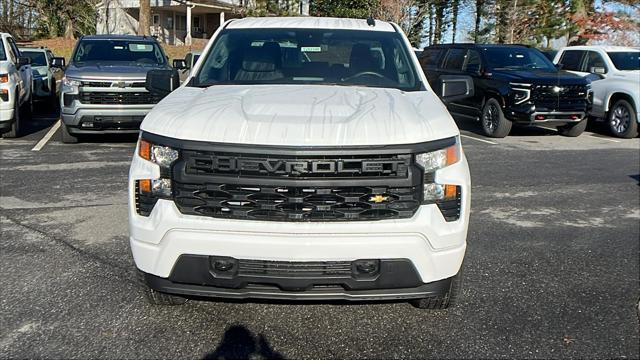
column 148, row 191
column 70, row 85
column 431, row 162
column 521, row 92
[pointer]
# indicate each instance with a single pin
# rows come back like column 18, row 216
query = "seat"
column 261, row 63
column 362, row 59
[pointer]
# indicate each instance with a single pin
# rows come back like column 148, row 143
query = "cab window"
column 572, row 60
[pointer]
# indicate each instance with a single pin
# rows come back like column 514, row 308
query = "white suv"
column 615, row 73
column 16, row 81
column 303, row 158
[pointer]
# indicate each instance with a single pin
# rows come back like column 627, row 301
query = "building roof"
column 602, row 47
column 309, row 23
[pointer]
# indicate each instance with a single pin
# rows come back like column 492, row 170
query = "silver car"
column 46, row 77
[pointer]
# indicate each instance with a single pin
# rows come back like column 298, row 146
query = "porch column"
column 221, row 18
column 173, row 22
column 187, row 39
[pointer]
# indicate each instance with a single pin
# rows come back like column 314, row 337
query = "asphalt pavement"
column 551, row 268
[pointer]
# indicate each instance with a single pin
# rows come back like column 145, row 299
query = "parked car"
column 46, row 76
column 550, row 54
column 185, row 65
column 15, row 88
column 301, row 172
column 513, row 84
column 616, row 83
column 103, row 88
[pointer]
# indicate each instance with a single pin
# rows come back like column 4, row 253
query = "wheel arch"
column 619, row 95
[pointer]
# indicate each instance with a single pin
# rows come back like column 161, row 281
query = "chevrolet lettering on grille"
column 298, row 167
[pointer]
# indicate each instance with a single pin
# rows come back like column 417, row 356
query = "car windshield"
column 309, row 56
column 38, row 58
column 3, row 56
column 127, row 51
column 517, row 58
column 625, row 60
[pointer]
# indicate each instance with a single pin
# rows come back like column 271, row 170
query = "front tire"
column 445, row 301
column 494, row 123
column 16, row 125
column 622, row 119
column 156, row 297
column 573, row 130
column 67, row 137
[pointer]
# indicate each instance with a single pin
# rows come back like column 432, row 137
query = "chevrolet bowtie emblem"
column 378, row 199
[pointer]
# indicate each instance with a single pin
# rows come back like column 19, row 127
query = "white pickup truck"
column 16, row 81
column 615, row 73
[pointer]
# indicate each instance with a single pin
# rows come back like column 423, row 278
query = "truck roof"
column 118, row 37
column 309, row 23
column 602, row 47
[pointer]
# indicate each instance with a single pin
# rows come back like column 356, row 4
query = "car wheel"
column 449, row 299
column 622, row 120
column 156, row 297
column 494, row 124
column 573, row 130
column 16, row 125
column 67, row 137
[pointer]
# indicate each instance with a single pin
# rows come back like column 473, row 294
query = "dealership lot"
column 551, row 268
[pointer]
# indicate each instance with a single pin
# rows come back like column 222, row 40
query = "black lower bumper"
column 90, row 124
column 534, row 115
column 368, row 279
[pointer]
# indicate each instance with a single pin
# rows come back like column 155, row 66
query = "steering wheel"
column 363, row 73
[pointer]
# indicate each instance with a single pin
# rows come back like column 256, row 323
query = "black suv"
column 512, row 83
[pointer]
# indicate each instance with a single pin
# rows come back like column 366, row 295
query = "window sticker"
column 141, row 47
column 311, row 49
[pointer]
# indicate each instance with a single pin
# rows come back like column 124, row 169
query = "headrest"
column 261, row 59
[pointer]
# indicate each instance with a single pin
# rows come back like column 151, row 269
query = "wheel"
column 622, row 120
column 573, row 130
column 156, row 297
column 448, row 300
column 494, row 124
column 67, row 137
column 16, row 125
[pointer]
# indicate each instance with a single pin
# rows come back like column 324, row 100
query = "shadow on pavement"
column 240, row 343
column 517, row 130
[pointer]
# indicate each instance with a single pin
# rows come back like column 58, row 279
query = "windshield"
column 127, row 51
column 517, row 58
column 3, row 56
column 309, row 56
column 38, row 58
column 625, row 60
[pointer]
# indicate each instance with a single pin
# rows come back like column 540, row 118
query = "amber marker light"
column 144, row 150
column 144, row 186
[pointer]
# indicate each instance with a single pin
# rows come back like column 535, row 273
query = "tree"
column 360, row 9
column 144, row 21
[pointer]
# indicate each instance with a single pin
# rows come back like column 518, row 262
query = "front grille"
column 294, row 269
column 107, row 84
column 118, row 98
column 546, row 95
column 294, row 203
column 245, row 165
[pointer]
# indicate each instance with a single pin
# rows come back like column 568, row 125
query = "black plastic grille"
column 118, row 98
column 247, row 165
column 451, row 208
column 294, row 269
column 284, row 203
column 568, row 95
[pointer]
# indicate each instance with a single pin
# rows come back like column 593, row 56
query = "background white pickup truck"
column 16, row 81
column 616, row 83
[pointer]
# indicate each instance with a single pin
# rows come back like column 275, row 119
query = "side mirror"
column 598, row 70
column 162, row 82
column 58, row 62
column 180, row 64
column 22, row 61
column 455, row 87
column 559, row 66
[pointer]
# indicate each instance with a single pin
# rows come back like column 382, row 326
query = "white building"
column 176, row 22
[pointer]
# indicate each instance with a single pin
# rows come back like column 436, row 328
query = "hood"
column 542, row 77
column 94, row 70
column 294, row 115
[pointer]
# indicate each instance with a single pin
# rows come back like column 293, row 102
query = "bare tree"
column 144, row 23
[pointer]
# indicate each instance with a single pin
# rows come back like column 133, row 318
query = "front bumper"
column 528, row 114
column 104, row 118
column 432, row 246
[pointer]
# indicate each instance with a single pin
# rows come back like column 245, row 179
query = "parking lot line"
column 481, row 140
column 48, row 136
column 604, row 138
